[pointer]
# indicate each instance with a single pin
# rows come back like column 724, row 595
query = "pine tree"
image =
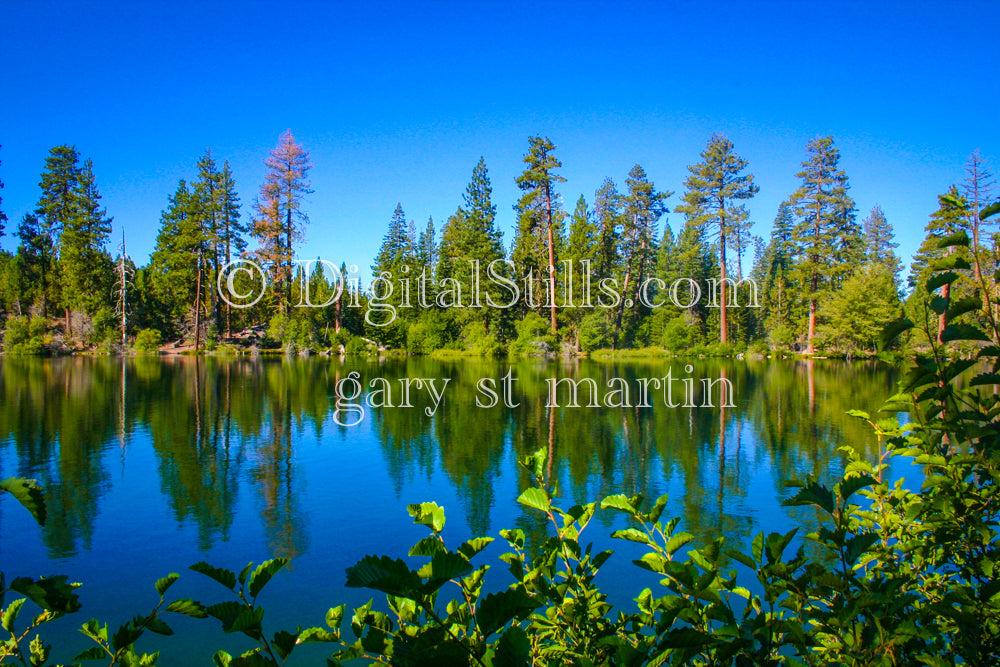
column 539, row 217
column 579, row 259
column 427, row 249
column 778, row 266
column 643, row 208
column 826, row 237
column 280, row 218
column 393, row 269
column 35, row 262
column 978, row 191
column 880, row 243
column 231, row 231
column 608, row 217
column 714, row 189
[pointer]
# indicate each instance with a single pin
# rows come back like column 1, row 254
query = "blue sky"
column 397, row 102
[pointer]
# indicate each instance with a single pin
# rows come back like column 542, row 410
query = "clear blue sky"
column 397, row 102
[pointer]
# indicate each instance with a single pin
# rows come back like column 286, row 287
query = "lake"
column 152, row 464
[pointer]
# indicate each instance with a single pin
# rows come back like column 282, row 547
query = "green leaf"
column 954, row 332
column 964, row 305
column 940, row 279
column 619, row 502
column 852, row 485
column 958, row 239
column 223, row 576
column 536, row 499
column 892, row 331
column 632, row 535
column 28, row 493
column 512, row 649
column 159, row 627
column 314, row 635
column 950, row 262
column 334, row 617
column 244, row 572
column 52, row 593
column 443, row 567
column 813, row 494
column 92, row 653
column 676, row 542
column 857, row 545
column 428, row 514
column 188, row 608
column 381, row 573
column 221, row 659
column 236, row 617
column 10, row 614
column 166, row 582
column 427, row 546
column 472, row 547
column 497, row 609
column 990, row 211
column 263, row 574
column 284, row 642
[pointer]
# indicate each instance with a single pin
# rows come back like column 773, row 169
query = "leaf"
column 52, row 593
column 381, row 573
column 313, row 635
column 619, row 502
column 188, row 608
column 263, row 574
column 92, row 653
column 950, row 262
column 497, row 609
column 158, row 626
column 427, row 546
column 10, row 615
column 536, row 499
column 860, row 414
column 472, row 547
column 428, row 514
column 958, row 239
column 990, row 211
column 513, row 649
column 28, row 493
column 857, row 545
column 443, row 567
column 223, row 576
column 166, row 582
column 939, row 279
column 964, row 305
column 632, row 535
column 892, row 331
column 984, row 379
column 236, row 617
column 221, row 659
column 284, row 642
column 813, row 494
column 852, row 485
column 676, row 542
column 954, row 332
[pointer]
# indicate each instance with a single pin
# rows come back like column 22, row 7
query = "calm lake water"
column 150, row 465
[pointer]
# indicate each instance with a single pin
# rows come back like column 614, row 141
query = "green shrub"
column 24, row 336
column 148, row 341
column 533, row 337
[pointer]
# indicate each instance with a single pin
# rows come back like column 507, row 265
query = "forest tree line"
column 822, row 282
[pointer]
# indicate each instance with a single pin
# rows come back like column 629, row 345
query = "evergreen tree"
column 827, row 236
column 778, row 264
column 427, row 249
column 35, row 263
column 579, row 259
column 644, row 207
column 880, row 243
column 280, row 217
column 231, row 231
column 714, row 189
column 470, row 238
column 608, row 217
column 539, row 219
column 392, row 274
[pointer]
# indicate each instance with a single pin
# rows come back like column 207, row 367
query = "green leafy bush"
column 148, row 341
column 24, row 336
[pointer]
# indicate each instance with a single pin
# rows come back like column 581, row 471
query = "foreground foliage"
column 909, row 577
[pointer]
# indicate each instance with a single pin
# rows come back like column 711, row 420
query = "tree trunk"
column 552, row 261
column 197, row 307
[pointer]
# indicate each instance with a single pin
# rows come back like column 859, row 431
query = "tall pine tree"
column 715, row 188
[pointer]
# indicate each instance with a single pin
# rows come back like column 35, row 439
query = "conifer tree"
column 539, row 219
column 231, row 231
column 715, row 189
column 280, row 218
column 427, row 248
column 643, row 208
column 580, row 256
column 35, row 263
column 393, row 270
column 880, row 243
column 608, row 217
column 826, row 236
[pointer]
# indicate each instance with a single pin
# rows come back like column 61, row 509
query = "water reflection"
column 217, row 427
